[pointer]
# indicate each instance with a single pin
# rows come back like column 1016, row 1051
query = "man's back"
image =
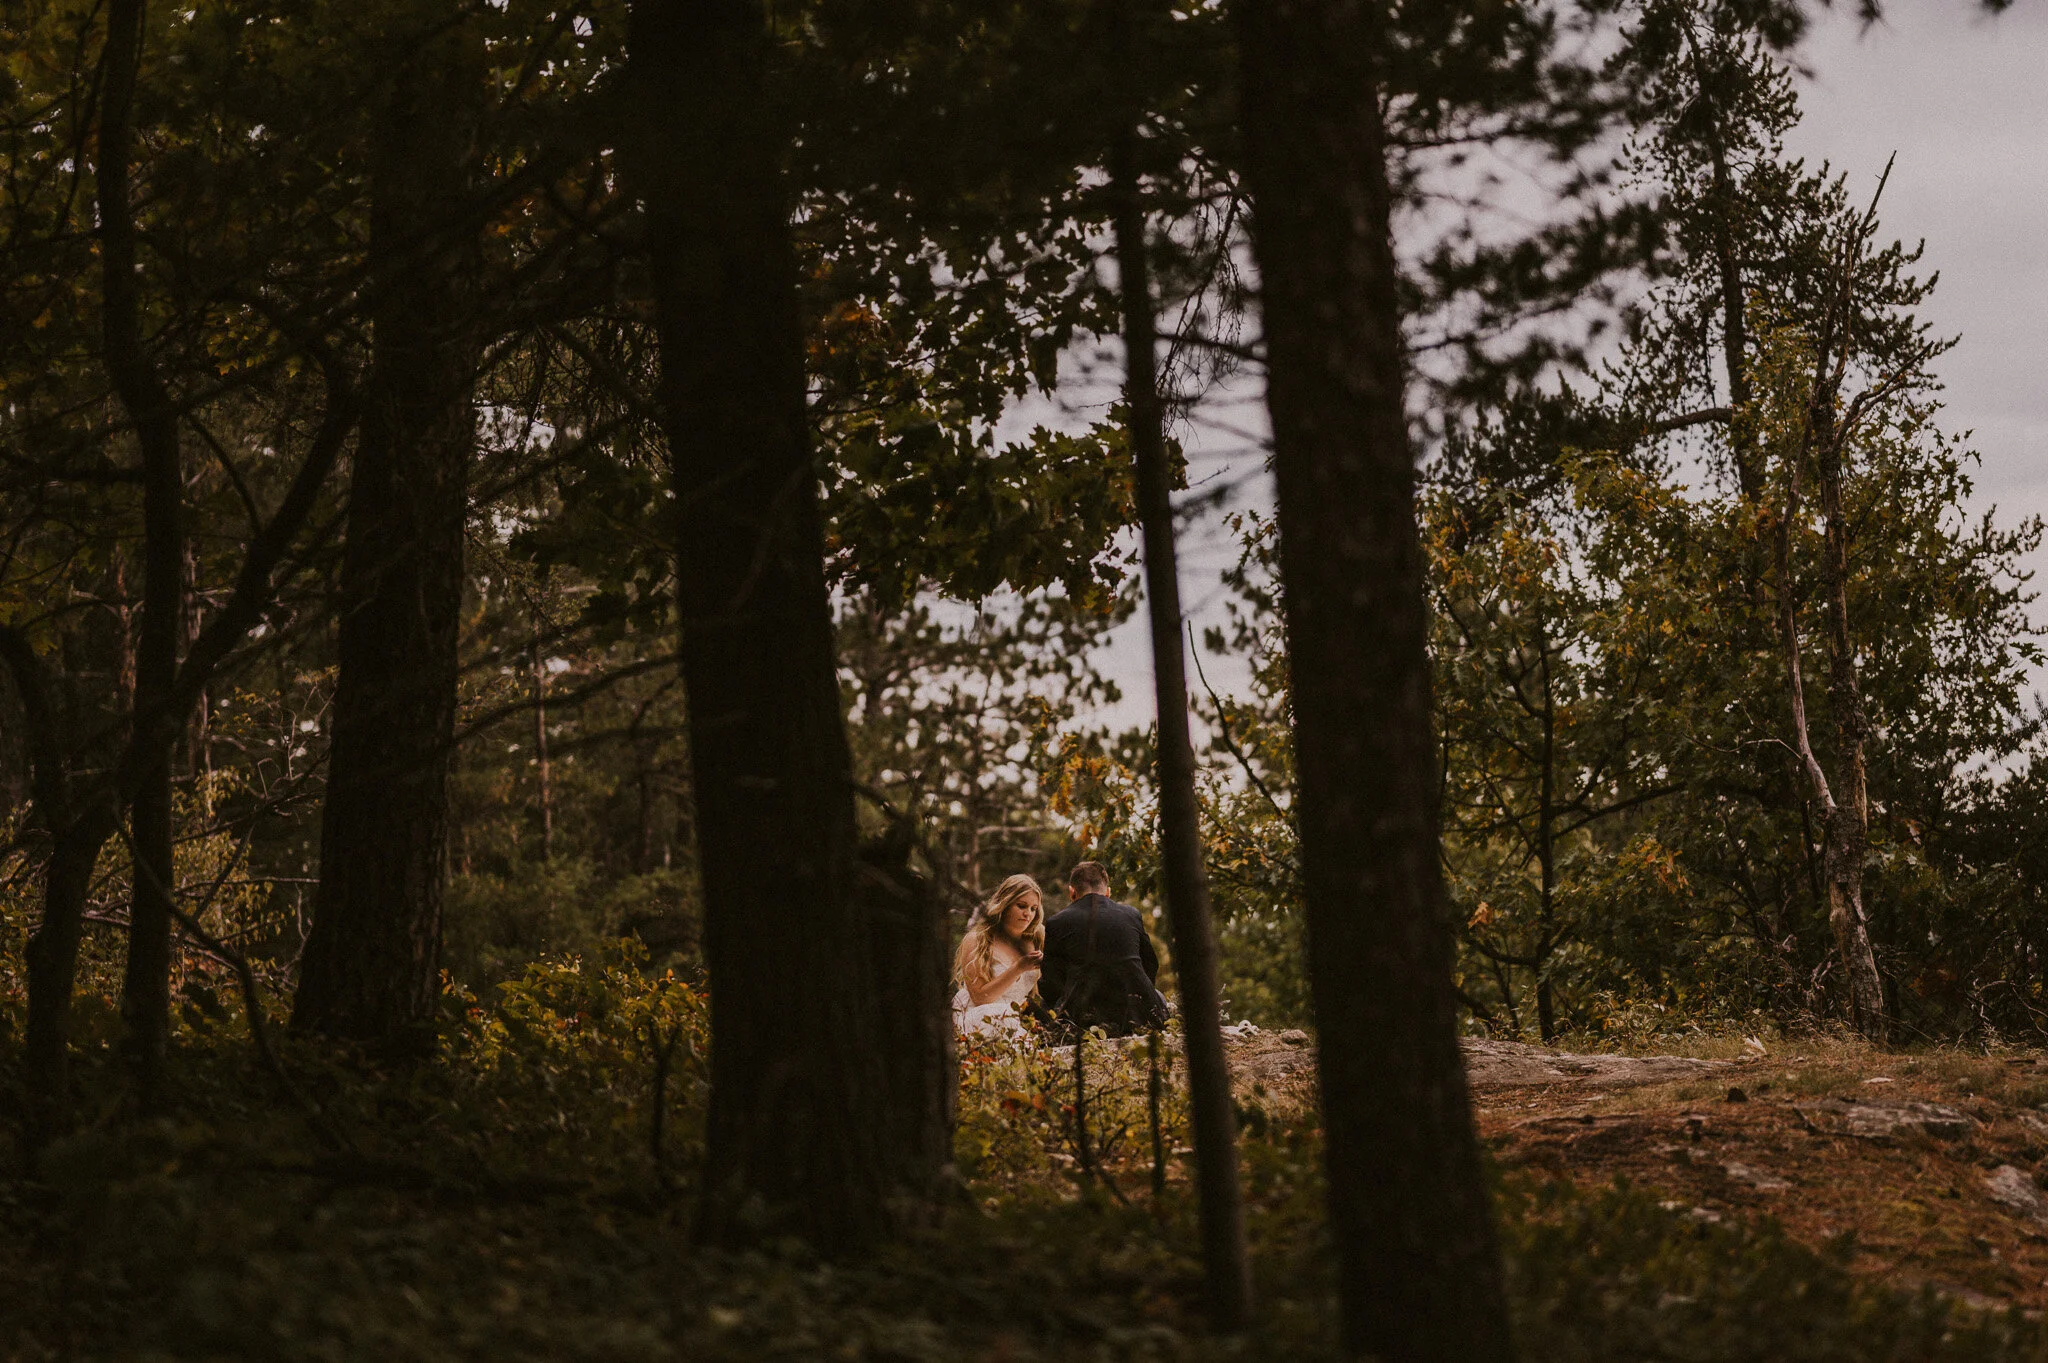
column 1099, row 967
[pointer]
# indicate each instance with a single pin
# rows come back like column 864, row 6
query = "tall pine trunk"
column 803, row 1134
column 1227, row 1271
column 1418, row 1263
column 371, row 967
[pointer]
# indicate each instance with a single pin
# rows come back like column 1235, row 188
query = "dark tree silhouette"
column 1185, row 883
column 145, row 991
column 801, row 1134
column 370, row 971
column 1419, row 1270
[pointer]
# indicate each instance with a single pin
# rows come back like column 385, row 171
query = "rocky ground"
column 1923, row 1167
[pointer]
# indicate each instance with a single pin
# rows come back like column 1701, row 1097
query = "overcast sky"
column 1963, row 99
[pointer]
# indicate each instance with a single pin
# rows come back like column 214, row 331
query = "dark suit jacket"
column 1099, row 968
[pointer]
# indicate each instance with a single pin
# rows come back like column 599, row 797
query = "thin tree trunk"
column 1228, row 1272
column 1749, row 473
column 158, row 690
column 1419, row 1274
column 76, row 837
column 1852, row 728
column 1546, row 855
column 1505, row 983
column 124, row 616
column 643, row 848
column 1842, row 830
column 146, row 983
column 52, row 967
column 198, row 735
column 370, row 972
column 800, row 1136
column 540, row 751
column 145, row 988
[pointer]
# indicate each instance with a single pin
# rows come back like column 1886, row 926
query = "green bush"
column 496, row 924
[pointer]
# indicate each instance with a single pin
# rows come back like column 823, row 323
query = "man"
column 1099, row 962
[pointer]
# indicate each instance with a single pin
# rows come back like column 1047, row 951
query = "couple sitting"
column 1091, row 965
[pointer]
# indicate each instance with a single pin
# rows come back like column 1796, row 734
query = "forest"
column 555, row 555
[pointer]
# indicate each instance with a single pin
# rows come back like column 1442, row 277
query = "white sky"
column 1963, row 99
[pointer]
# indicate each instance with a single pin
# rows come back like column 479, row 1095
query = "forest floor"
column 1915, row 1169
column 510, row 1212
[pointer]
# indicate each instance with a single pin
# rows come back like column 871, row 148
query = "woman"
column 997, row 965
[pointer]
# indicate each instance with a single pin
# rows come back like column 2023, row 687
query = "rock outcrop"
column 1852, row 1117
column 1510, row 1064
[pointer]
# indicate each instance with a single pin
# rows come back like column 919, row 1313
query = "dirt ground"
column 1930, row 1162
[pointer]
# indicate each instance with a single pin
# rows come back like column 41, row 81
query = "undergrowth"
column 510, row 1201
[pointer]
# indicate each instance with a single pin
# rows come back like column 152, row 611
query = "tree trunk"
column 1546, row 855
column 145, row 989
column 1228, row 1273
column 643, row 847
column 157, row 689
column 911, row 934
column 799, row 1129
column 1749, row 475
column 146, row 983
column 1419, row 1273
column 1843, row 831
column 371, row 967
column 52, row 967
column 540, row 755
column 1848, row 835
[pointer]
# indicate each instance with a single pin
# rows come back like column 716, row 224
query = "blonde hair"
column 974, row 965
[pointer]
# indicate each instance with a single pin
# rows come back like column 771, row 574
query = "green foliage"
column 498, row 923
column 1245, row 784
column 922, row 503
column 1542, row 745
column 557, row 1071
column 956, row 717
column 1018, row 1132
column 1626, row 847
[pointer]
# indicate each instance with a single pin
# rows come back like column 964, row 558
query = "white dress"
column 998, row 1015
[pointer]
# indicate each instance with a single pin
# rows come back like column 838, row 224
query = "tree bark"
column 540, row 755
column 1845, row 821
column 53, row 965
column 370, row 972
column 799, row 1131
column 76, row 837
column 910, row 933
column 1749, row 474
column 1228, row 1272
column 157, row 690
column 1419, row 1273
column 1546, row 851
column 1846, row 910
column 145, row 988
